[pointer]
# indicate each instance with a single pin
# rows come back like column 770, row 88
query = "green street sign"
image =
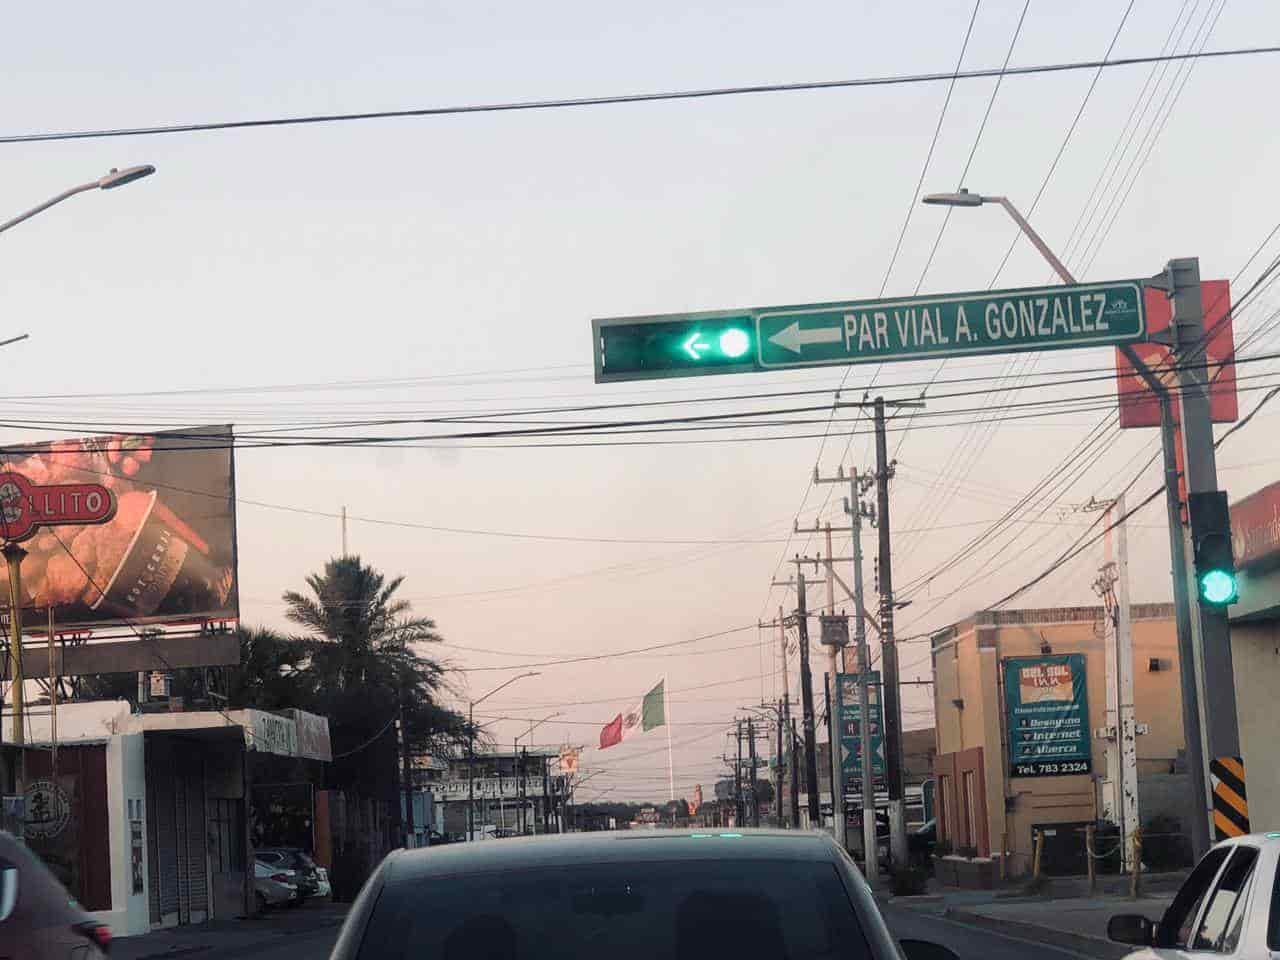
column 868, row 331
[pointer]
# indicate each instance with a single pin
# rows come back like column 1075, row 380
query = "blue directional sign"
column 849, row 716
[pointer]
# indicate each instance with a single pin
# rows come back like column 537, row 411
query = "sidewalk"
column 1081, row 920
column 232, row 934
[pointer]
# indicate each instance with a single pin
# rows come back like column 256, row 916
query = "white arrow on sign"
column 793, row 338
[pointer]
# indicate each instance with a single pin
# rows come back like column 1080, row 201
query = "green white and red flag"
column 649, row 713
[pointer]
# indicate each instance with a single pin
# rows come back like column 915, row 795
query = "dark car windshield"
column 685, row 910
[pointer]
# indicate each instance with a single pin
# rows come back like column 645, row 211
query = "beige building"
column 989, row 799
column 1255, row 650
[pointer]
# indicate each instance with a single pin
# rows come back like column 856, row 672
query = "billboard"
column 1047, row 715
column 849, row 712
column 168, row 554
column 1138, row 404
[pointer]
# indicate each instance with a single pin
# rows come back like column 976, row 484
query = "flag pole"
column 666, row 715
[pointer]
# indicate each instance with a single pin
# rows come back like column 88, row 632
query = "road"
column 978, row 943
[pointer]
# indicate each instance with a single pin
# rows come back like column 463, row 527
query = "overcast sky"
column 454, row 263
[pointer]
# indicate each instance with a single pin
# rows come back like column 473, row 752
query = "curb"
column 1082, row 942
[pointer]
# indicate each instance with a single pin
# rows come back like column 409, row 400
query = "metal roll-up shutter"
column 153, row 854
column 180, row 842
column 195, row 848
column 160, row 777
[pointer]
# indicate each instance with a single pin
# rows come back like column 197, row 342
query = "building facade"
column 1000, row 771
column 146, row 818
column 1255, row 649
column 515, row 792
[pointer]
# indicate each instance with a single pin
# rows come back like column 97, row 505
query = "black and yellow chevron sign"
column 1230, row 802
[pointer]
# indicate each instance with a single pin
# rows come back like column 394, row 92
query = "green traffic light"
column 734, row 343
column 1217, row 587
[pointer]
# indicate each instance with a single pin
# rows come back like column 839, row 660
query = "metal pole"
column 53, row 698
column 871, row 864
column 1221, row 729
column 13, row 555
column 1191, row 727
column 751, row 750
column 806, row 695
column 889, row 651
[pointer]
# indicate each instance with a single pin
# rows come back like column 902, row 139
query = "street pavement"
column 305, row 933
column 971, row 942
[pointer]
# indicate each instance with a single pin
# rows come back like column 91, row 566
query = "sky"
column 410, row 268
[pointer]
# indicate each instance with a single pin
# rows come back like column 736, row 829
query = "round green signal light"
column 734, row 343
column 1217, row 587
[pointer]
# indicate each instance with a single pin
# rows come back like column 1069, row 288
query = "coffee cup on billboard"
column 165, row 570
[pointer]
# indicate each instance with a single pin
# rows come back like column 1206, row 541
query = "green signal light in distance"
column 1217, row 586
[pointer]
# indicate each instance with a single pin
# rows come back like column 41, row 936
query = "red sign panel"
column 25, row 507
column 1255, row 527
column 1138, row 404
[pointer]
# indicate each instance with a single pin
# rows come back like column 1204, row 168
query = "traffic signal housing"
column 1215, row 567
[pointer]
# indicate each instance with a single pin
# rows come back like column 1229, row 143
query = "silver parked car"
column 38, row 918
column 274, row 886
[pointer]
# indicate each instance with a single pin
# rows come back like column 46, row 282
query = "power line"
column 616, row 99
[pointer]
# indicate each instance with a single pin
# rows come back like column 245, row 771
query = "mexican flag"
column 648, row 713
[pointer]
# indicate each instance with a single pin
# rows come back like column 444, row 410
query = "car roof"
column 1252, row 839
column 612, row 846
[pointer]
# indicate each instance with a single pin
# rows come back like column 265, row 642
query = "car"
column 1228, row 906
column 682, row 894
column 313, row 879
column 39, row 920
column 274, row 886
column 920, row 844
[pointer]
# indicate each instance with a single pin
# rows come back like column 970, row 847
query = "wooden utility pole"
column 806, row 695
column 889, row 651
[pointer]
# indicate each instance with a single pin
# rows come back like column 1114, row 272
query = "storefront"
column 144, row 817
column 1255, row 649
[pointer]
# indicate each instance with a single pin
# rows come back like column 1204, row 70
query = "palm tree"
column 362, row 643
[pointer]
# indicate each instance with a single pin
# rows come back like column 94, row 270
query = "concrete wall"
column 126, row 795
column 1255, row 652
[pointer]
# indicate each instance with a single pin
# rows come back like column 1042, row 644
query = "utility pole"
column 853, row 506
column 1120, row 803
column 344, row 531
column 795, row 779
column 737, row 778
column 806, row 696
column 777, row 775
column 407, row 774
column 1220, row 732
column 784, row 716
column 889, row 651
column 755, row 796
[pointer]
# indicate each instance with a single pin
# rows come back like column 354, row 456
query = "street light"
column 471, row 749
column 515, row 750
column 966, row 199
column 109, row 181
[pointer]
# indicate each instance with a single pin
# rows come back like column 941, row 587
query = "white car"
column 1228, row 906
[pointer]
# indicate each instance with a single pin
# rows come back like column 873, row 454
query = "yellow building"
column 1001, row 768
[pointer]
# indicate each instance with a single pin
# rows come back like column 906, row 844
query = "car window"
column 1228, row 893
column 1178, row 922
column 684, row 910
column 1239, row 914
